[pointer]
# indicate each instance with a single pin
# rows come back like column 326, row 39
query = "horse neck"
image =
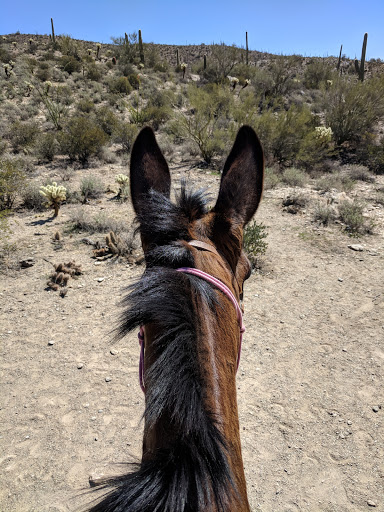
column 218, row 342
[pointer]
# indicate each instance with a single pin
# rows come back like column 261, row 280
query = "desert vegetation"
column 69, row 113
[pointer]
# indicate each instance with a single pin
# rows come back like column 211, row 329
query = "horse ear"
column 149, row 170
column 242, row 179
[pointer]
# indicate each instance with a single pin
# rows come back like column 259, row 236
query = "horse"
column 187, row 306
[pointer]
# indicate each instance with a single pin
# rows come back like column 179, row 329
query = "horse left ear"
column 242, row 179
column 149, row 169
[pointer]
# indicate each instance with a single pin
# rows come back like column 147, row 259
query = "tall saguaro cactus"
column 360, row 67
column 339, row 61
column 141, row 50
column 53, row 32
column 246, row 48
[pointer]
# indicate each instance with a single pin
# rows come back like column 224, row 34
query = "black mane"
column 194, row 472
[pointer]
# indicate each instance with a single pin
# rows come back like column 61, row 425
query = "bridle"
column 210, row 279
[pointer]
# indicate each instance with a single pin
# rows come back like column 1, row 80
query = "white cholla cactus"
column 233, row 80
column 122, row 179
column 323, row 133
column 54, row 194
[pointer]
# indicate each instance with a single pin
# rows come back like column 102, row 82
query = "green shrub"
column 23, row 136
column 294, row 177
column 100, row 223
column 12, row 181
column 69, row 64
column 47, row 147
column 331, row 182
column 317, row 72
column 91, row 188
column 254, row 242
column 272, row 178
column 120, row 85
column 81, row 139
column 351, row 215
column 315, row 148
column 208, row 121
column 156, row 116
column 93, row 72
column 31, row 197
column 85, row 105
column 353, row 108
column 359, row 173
column 282, row 133
column 134, row 80
column 324, row 214
column 43, row 72
column 125, row 134
column 106, row 120
column 220, row 63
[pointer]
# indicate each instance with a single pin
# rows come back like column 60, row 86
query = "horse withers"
column 186, row 305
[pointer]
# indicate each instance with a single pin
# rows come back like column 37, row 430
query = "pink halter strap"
column 222, row 287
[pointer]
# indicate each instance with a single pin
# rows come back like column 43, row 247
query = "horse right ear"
column 242, row 179
column 149, row 170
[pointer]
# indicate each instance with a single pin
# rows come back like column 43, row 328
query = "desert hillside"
column 310, row 382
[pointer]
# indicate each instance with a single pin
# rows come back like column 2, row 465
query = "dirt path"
column 309, row 383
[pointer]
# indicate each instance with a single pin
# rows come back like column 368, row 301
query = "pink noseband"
column 218, row 284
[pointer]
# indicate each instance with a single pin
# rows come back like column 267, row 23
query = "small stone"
column 95, row 438
column 80, row 366
column 88, row 306
column 108, row 379
column 51, row 342
column 113, row 351
column 340, row 280
column 27, row 262
column 96, row 479
column 371, row 503
column 375, row 408
column 349, row 422
column 356, row 247
column 100, row 279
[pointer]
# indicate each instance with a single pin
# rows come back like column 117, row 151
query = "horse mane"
column 194, row 473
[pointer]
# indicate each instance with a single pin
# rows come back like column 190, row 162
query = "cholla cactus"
column 233, row 81
column 247, row 81
column 48, row 85
column 324, row 134
column 98, row 46
column 122, row 180
column 54, row 195
column 183, row 68
column 29, row 87
column 89, row 51
column 7, row 68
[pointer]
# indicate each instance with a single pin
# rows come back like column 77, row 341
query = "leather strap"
column 204, row 245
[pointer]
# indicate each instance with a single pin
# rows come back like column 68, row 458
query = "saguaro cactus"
column 339, row 61
column 246, row 48
column 205, row 62
column 141, row 50
column 177, row 58
column 53, row 32
column 360, row 68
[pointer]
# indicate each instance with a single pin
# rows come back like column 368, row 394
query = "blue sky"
column 306, row 27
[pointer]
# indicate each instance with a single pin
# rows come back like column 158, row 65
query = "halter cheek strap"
column 218, row 284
